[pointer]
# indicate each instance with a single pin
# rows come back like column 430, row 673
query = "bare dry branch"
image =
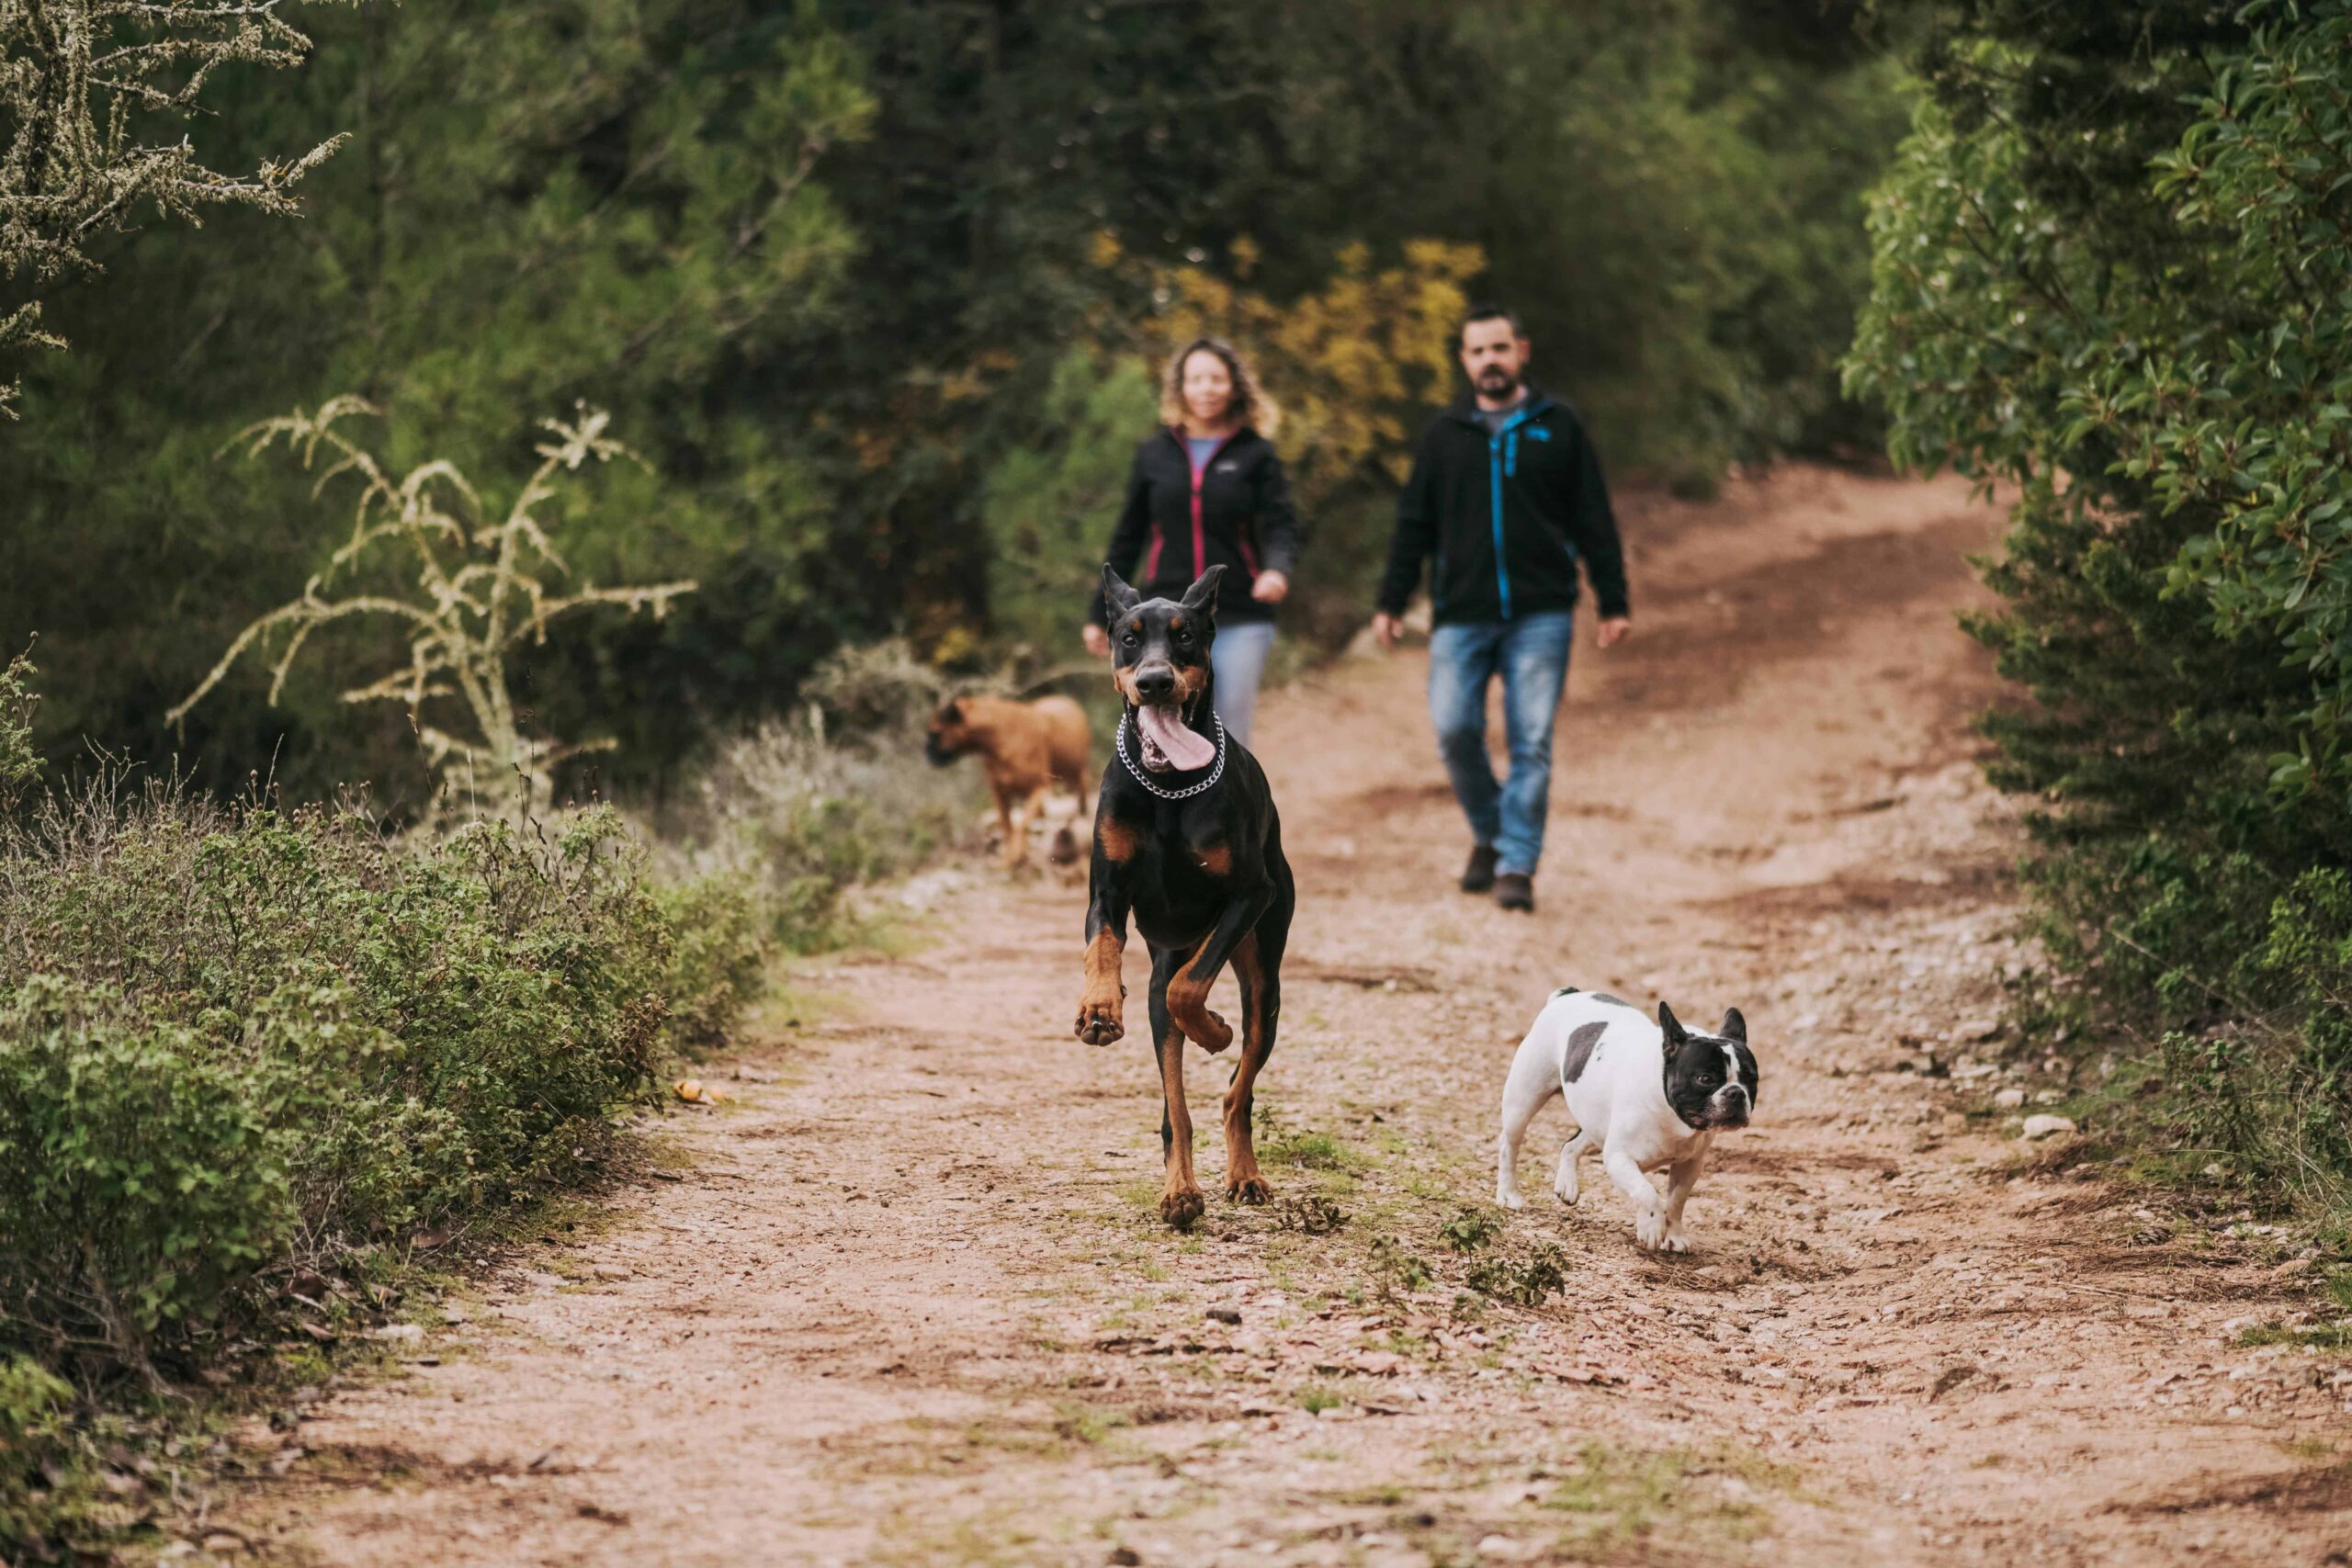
column 462, row 623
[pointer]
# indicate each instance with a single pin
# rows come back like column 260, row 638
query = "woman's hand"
column 1098, row 641
column 1269, row 588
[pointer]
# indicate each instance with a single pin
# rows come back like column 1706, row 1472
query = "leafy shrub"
column 1530, row 1280
column 258, row 1041
column 719, row 940
column 807, row 809
column 1469, row 1229
column 2103, row 269
column 140, row 1170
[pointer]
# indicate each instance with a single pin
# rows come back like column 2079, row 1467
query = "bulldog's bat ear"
column 1735, row 1027
column 1202, row 595
column 1121, row 599
column 1675, row 1034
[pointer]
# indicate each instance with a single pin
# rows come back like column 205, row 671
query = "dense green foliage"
column 2109, row 269
column 237, row 1045
column 831, row 267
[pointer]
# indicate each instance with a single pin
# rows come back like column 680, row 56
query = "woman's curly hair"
column 1250, row 406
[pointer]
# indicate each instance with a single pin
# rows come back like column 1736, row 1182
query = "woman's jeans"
column 1238, row 658
column 1531, row 653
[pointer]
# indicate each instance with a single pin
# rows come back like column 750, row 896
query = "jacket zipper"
column 1200, row 472
column 1496, row 468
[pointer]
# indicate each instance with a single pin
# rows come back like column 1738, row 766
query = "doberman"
column 1187, row 841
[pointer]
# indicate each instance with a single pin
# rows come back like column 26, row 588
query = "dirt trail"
column 911, row 1302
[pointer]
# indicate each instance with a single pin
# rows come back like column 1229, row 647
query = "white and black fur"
column 1651, row 1096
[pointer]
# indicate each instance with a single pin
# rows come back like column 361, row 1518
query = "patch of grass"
column 1310, row 1151
column 1624, row 1494
column 2311, row 1337
column 1088, row 1424
column 1316, row 1398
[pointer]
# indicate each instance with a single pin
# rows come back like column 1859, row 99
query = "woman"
column 1207, row 490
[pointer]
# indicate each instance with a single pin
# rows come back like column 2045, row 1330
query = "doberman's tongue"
column 1184, row 749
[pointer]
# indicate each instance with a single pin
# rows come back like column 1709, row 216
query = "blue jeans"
column 1531, row 653
column 1238, row 658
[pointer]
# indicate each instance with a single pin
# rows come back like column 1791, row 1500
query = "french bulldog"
column 1649, row 1096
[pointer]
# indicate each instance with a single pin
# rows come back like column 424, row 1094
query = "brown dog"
column 1025, row 750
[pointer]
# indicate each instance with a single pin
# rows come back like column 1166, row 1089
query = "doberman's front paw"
column 1249, row 1190
column 1098, row 1020
column 1182, row 1207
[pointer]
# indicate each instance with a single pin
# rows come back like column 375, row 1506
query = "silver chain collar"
column 1141, row 777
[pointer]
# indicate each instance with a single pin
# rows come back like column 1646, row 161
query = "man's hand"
column 1269, row 588
column 1098, row 641
column 1614, row 630
column 1386, row 628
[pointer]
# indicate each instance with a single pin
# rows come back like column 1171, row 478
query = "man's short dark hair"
column 1489, row 310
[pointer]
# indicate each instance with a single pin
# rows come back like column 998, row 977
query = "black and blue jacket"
column 1507, row 516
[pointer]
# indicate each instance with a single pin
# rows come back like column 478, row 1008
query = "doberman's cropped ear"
column 1201, row 596
column 1735, row 1027
column 1675, row 1034
column 1121, row 599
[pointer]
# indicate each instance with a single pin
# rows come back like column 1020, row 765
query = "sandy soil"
column 909, row 1302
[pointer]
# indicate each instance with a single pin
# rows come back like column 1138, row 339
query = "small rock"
column 1220, row 1314
column 2008, row 1100
column 2038, row 1127
column 2048, row 1097
column 2291, row 1267
column 404, row 1333
column 1501, row 1548
column 1123, row 1557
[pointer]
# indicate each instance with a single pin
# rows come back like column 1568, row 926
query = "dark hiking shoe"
column 1478, row 876
column 1515, row 890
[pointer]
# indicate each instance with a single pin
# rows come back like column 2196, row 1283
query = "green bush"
column 2107, row 270
column 720, row 940
column 258, row 1042
column 143, row 1171
column 805, row 810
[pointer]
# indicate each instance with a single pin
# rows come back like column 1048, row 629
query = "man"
column 1506, row 494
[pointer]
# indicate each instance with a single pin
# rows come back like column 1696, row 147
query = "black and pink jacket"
column 1235, row 510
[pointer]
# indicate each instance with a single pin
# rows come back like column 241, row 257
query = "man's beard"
column 1496, row 384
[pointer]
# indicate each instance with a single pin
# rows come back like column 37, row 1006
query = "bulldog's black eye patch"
column 1582, row 1040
